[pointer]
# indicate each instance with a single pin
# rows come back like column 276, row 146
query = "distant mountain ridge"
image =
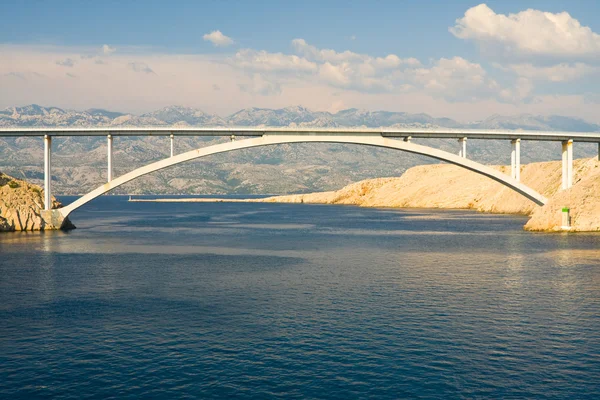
column 35, row 115
column 79, row 163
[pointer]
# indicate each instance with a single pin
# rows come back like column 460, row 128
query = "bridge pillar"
column 567, row 164
column 172, row 145
column 109, row 146
column 47, row 172
column 463, row 147
column 408, row 139
column 515, row 160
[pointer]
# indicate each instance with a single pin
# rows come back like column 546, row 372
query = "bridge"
column 399, row 139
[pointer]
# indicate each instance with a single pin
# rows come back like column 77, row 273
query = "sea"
column 258, row 301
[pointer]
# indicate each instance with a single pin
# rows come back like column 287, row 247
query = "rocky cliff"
column 22, row 207
column 448, row 186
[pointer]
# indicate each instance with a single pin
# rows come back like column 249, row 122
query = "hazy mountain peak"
column 272, row 117
column 177, row 114
column 347, row 111
column 36, row 115
column 297, row 109
column 35, row 109
column 103, row 112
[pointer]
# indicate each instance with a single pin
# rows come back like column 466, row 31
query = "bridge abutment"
column 54, row 220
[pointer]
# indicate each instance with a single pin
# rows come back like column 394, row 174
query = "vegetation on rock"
column 22, row 205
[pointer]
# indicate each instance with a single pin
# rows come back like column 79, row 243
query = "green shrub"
column 13, row 184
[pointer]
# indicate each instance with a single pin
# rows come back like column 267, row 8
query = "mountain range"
column 79, row 164
column 35, row 115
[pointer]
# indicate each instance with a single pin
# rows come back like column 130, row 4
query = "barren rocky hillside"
column 448, row 186
column 79, row 164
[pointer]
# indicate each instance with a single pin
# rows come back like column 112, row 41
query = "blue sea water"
column 235, row 300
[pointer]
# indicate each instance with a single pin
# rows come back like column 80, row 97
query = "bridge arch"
column 273, row 139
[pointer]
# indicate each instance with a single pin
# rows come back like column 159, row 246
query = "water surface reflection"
column 258, row 301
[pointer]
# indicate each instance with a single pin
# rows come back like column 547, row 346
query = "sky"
column 461, row 59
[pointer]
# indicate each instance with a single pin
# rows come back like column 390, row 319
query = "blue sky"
column 51, row 51
column 418, row 28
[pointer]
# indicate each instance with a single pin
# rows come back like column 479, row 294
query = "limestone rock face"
column 22, row 208
column 583, row 200
column 448, row 186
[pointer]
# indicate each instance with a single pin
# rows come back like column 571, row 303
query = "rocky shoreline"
column 22, row 208
column 451, row 187
column 426, row 186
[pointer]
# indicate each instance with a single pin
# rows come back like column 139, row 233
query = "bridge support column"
column 515, row 160
column 109, row 146
column 409, row 138
column 47, row 172
column 567, row 164
column 463, row 147
column 172, row 145
column 598, row 151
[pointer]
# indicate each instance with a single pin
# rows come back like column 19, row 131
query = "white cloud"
column 522, row 90
column 456, row 79
column 528, row 33
column 355, row 71
column 218, row 39
column 261, row 86
column 557, row 73
column 338, row 75
column 263, row 61
column 108, row 50
column 342, row 70
column 325, row 55
column 361, row 77
column 452, row 87
column 311, row 52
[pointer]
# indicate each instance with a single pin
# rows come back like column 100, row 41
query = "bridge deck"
column 593, row 137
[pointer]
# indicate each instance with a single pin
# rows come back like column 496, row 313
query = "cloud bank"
column 529, row 62
column 528, row 33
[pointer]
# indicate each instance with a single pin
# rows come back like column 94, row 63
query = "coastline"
column 446, row 186
column 190, row 200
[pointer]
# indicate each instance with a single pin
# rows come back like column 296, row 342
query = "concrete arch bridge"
column 266, row 137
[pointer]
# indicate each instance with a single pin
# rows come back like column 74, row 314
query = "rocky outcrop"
column 583, row 200
column 22, row 208
column 448, row 186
